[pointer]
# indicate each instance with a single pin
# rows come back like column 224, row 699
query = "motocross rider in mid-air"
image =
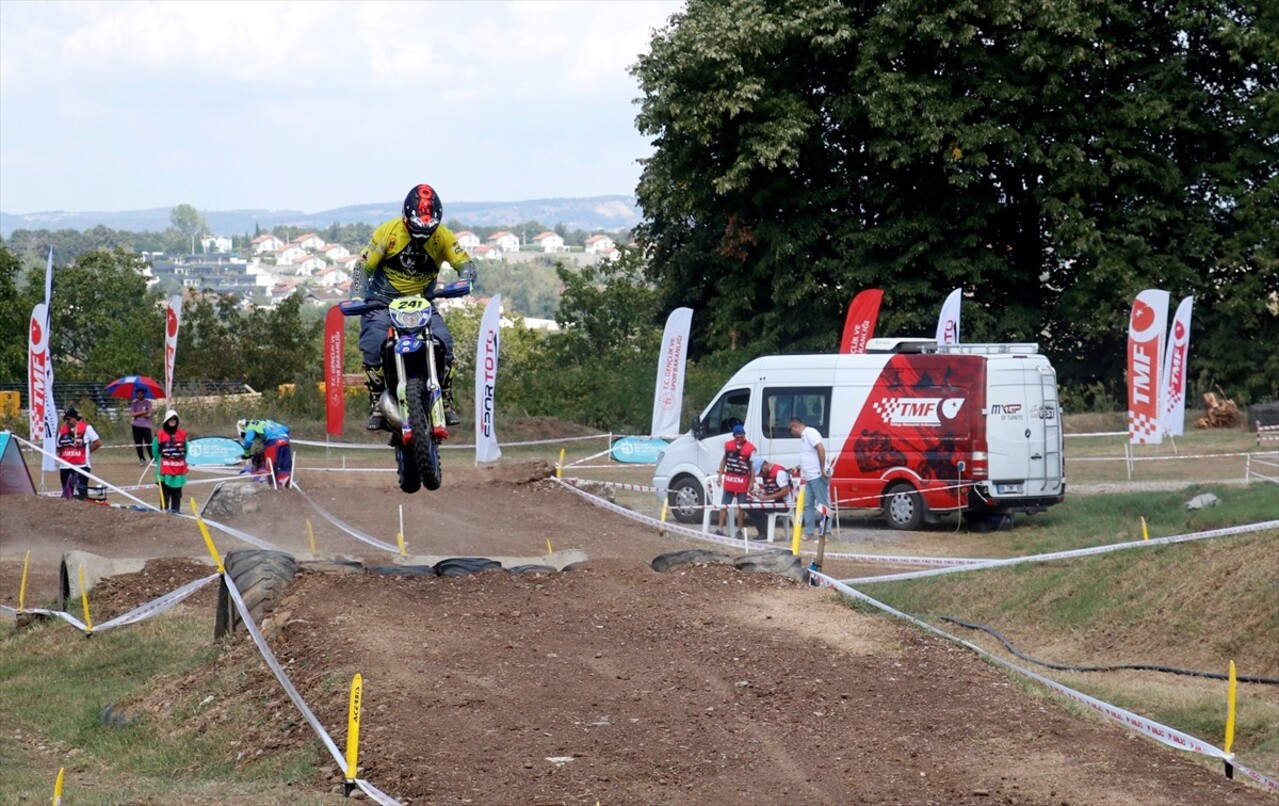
column 404, row 257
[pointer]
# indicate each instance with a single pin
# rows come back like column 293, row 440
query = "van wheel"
column 685, row 500
column 903, row 507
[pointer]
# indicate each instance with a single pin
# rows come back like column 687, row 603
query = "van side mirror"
column 697, row 427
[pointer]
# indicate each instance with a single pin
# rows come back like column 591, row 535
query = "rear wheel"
column 686, row 500
column 903, row 507
column 425, row 450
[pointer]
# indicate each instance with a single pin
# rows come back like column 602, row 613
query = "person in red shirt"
column 76, row 440
column 736, row 474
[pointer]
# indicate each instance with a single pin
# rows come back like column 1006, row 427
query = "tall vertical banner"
column 486, row 355
column 1173, row 377
column 41, row 410
column 668, row 398
column 859, row 323
column 334, row 354
column 172, row 321
column 49, row 406
column 1146, row 327
column 948, row 321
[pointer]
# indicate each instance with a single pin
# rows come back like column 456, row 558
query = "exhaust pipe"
column 390, row 408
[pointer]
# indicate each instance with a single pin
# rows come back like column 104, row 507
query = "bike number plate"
column 408, row 344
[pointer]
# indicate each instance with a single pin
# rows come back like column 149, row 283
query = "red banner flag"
column 1147, row 325
column 859, row 324
column 334, row 351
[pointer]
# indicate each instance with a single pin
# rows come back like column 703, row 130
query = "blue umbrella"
column 127, row 386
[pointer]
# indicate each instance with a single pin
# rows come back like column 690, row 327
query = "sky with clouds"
column 309, row 106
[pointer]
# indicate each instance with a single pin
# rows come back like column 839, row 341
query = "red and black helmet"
column 422, row 211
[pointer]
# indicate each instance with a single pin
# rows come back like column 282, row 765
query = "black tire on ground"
column 673, row 560
column 260, row 577
column 685, row 500
column 464, row 566
column 425, row 450
column 406, row 470
column 903, row 507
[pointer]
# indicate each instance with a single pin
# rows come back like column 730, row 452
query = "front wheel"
column 425, row 451
column 406, row 466
column 685, row 499
column 903, row 507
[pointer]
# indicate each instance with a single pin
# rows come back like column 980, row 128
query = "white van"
column 910, row 427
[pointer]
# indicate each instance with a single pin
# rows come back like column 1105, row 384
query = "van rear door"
column 1023, row 427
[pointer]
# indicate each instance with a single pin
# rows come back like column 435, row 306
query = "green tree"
column 188, row 221
column 1051, row 158
column 15, row 316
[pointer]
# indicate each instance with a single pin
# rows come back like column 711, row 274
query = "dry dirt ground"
column 609, row 684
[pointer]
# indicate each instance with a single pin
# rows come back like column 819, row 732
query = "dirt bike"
column 413, row 403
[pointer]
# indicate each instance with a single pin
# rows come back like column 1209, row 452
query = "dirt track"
column 615, row 683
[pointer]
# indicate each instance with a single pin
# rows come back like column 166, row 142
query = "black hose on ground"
column 1140, row 667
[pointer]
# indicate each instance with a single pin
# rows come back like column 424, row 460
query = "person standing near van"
column 812, row 470
column 736, row 474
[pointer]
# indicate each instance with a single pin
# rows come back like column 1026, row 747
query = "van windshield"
column 728, row 411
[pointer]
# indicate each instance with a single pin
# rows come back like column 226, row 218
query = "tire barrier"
column 261, row 577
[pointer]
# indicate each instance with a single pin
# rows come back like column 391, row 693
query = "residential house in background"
column 599, row 244
column 219, row 244
column 332, row 278
column 506, row 241
column 266, row 243
column 486, row 253
column 308, row 265
column 289, row 255
column 467, row 240
column 549, row 241
column 334, row 251
column 309, row 241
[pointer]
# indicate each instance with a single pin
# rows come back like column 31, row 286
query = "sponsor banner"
column 42, row 410
column 948, row 321
column 668, row 398
column 859, row 323
column 334, row 352
column 638, row 450
column 214, row 451
column 1147, row 324
column 1173, row 377
column 486, row 361
column 172, row 321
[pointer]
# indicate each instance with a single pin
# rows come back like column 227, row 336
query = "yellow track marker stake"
column 559, row 468
column 22, row 587
column 310, row 536
column 1230, row 720
column 798, row 530
column 84, row 603
column 353, row 731
column 662, row 531
column 1145, row 532
column 549, row 550
column 208, row 539
column 399, row 536
column 57, row 787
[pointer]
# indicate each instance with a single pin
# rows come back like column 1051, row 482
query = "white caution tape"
column 358, row 535
column 364, row 446
column 1154, row 730
column 141, row 613
column 1065, row 555
column 300, row 703
column 617, row 485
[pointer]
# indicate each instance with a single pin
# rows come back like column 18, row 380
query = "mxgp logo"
column 918, row 411
column 1008, row 411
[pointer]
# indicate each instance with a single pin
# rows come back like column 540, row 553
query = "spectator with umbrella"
column 142, row 390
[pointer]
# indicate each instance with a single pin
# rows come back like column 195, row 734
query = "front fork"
column 435, row 405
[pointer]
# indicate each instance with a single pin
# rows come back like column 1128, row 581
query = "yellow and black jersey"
column 398, row 265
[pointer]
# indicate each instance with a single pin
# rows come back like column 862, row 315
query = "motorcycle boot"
column 446, row 391
column 375, row 381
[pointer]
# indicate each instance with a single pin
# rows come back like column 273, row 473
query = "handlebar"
column 355, row 307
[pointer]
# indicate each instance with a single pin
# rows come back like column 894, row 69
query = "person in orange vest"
column 76, row 440
column 736, row 474
column 170, row 449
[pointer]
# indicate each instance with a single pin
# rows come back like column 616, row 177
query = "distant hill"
column 593, row 213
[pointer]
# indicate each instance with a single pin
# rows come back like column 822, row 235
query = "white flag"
column 1173, row 379
column 948, row 322
column 172, row 321
column 486, row 355
column 668, row 398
